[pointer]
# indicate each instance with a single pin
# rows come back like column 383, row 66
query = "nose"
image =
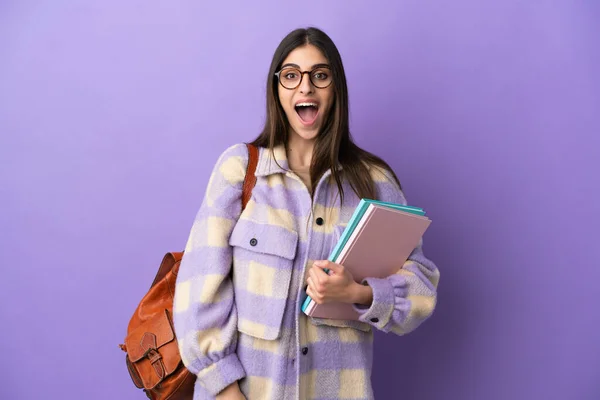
column 306, row 85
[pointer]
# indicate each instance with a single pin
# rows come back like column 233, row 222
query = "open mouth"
column 307, row 111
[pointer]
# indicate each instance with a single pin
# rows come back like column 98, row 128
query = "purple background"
column 112, row 114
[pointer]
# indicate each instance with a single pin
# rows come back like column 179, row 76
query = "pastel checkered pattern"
column 241, row 285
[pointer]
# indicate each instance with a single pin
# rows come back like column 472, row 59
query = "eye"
column 290, row 75
column 320, row 75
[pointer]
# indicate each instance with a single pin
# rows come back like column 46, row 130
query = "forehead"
column 305, row 57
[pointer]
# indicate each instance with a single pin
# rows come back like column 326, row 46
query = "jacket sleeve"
column 204, row 311
column 401, row 302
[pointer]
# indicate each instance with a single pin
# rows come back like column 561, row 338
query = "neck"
column 299, row 151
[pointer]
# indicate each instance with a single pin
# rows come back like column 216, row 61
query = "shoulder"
column 380, row 175
column 235, row 153
column 230, row 166
column 232, row 161
column 386, row 186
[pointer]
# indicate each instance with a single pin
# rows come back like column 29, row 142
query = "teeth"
column 306, row 105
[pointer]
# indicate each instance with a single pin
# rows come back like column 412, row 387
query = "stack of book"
column 378, row 239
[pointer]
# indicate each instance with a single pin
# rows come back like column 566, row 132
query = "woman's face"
column 308, row 104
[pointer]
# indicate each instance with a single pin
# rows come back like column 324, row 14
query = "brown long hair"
column 334, row 143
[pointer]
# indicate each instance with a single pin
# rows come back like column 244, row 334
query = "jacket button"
column 304, row 350
column 253, row 242
column 375, row 320
column 319, row 221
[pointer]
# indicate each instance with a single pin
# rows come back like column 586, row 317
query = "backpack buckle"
column 148, row 342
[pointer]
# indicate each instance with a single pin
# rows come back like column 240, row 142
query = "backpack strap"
column 250, row 178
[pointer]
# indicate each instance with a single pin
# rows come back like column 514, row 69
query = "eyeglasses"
column 290, row 78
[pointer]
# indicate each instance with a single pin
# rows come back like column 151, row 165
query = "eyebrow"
column 313, row 67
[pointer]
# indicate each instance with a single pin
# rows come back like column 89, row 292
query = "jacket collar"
column 268, row 165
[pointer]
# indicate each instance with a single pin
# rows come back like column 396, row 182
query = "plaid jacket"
column 241, row 285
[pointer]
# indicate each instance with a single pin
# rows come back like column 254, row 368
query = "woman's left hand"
column 338, row 286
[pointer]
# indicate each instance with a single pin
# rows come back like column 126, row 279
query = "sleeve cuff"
column 221, row 374
column 380, row 311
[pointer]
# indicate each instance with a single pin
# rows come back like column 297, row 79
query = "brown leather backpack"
column 153, row 358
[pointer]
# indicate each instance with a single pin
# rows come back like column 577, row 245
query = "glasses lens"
column 321, row 77
column 290, row 77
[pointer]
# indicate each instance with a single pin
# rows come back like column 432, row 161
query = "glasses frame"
column 278, row 73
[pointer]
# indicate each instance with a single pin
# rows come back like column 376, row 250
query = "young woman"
column 245, row 274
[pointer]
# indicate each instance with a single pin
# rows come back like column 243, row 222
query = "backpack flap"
column 152, row 350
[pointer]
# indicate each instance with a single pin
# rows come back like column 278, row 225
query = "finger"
column 314, row 295
column 329, row 267
column 314, row 274
column 314, row 286
column 321, row 280
column 336, row 268
column 319, row 272
column 311, row 293
column 322, row 265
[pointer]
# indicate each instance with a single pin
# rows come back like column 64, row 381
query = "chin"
column 306, row 134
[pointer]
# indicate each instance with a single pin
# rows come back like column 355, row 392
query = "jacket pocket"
column 339, row 323
column 263, row 260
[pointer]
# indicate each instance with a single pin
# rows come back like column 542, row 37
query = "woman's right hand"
column 231, row 392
